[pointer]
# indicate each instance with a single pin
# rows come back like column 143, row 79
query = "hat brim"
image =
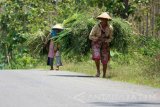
column 99, row 18
column 58, row 28
column 104, row 15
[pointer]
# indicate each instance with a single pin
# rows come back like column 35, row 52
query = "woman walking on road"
column 54, row 48
column 101, row 36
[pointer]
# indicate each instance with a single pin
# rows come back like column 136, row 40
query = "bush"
column 121, row 35
column 75, row 39
column 23, row 61
column 148, row 46
column 152, row 71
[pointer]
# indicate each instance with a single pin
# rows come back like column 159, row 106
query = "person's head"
column 104, row 18
column 57, row 27
column 104, row 21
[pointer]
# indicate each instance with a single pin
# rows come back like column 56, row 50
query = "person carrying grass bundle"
column 54, row 48
column 101, row 36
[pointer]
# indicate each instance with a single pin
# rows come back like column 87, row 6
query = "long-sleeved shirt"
column 96, row 33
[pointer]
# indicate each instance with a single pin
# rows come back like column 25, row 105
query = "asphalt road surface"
column 42, row 88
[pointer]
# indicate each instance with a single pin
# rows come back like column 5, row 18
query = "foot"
column 104, row 76
column 97, row 75
column 52, row 68
column 57, row 69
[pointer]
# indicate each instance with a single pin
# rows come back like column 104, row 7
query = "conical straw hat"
column 57, row 26
column 104, row 15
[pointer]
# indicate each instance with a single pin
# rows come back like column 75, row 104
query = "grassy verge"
column 134, row 73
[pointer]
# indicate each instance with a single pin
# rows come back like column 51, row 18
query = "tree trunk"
column 125, row 13
column 143, row 31
column 156, row 13
column 152, row 18
column 146, row 25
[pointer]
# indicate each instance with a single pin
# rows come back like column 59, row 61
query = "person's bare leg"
column 104, row 70
column 51, row 68
column 98, row 68
column 57, row 68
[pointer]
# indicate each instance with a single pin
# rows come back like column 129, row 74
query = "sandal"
column 104, row 76
column 97, row 75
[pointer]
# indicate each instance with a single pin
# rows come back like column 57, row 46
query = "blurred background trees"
column 25, row 25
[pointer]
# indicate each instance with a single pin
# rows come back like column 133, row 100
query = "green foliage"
column 141, row 1
column 19, row 20
column 145, row 45
column 37, row 42
column 153, row 70
column 119, row 8
column 74, row 40
column 23, row 61
column 121, row 35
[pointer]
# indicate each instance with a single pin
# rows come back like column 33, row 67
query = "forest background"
column 135, row 49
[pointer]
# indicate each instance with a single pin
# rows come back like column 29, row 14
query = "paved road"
column 39, row 88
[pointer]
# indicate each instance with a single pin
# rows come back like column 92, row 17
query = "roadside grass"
column 134, row 73
column 86, row 67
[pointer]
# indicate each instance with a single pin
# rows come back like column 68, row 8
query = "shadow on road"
column 84, row 76
column 127, row 104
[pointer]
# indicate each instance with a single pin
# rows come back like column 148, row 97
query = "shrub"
column 121, row 35
column 22, row 61
column 74, row 40
column 153, row 69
